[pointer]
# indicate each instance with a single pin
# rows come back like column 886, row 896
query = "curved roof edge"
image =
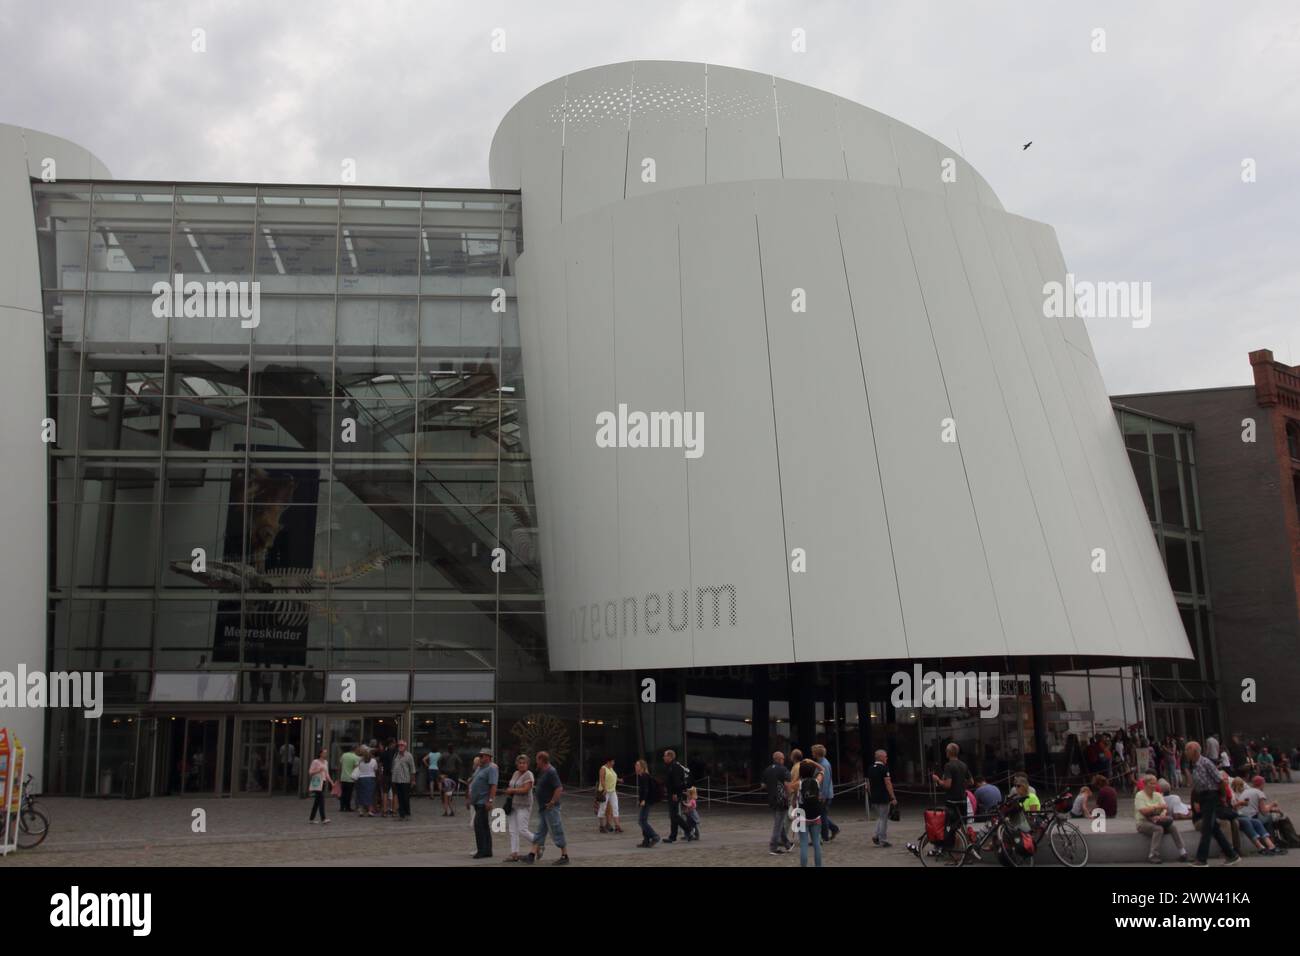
column 72, row 160
column 709, row 123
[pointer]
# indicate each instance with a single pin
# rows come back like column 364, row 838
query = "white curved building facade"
column 25, row 155
column 894, row 459
column 838, row 296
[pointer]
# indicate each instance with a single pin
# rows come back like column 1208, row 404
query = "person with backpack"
column 776, row 779
column 809, row 821
column 647, row 792
column 677, row 780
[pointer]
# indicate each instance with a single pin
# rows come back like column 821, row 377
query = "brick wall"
column 1252, row 545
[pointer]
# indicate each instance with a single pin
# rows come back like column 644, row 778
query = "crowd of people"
column 1226, row 783
column 1125, row 759
column 800, row 791
column 377, row 779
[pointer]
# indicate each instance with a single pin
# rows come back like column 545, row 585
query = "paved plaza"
column 273, row 831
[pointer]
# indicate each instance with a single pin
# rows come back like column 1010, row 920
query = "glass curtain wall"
column 243, row 516
column 1182, row 696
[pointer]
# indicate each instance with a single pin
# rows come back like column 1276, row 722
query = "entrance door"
column 270, row 755
column 339, row 734
column 256, row 756
column 286, row 739
column 190, row 751
column 463, row 732
column 116, row 756
column 146, row 765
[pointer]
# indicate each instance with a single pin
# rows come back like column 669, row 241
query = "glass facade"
column 1183, row 698
column 275, row 535
column 252, row 518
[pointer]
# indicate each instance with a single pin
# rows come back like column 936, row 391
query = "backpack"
column 810, row 797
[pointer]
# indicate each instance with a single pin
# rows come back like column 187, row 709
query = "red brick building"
column 1248, row 473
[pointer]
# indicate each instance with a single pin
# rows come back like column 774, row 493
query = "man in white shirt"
column 1212, row 747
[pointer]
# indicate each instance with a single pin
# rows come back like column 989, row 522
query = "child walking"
column 691, row 811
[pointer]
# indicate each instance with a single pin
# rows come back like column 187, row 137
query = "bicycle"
column 949, row 854
column 33, row 825
column 1066, row 840
column 966, row 845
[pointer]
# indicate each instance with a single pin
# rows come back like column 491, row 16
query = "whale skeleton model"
column 236, row 576
column 294, row 583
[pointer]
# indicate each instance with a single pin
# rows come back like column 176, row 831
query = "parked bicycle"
column 1005, row 833
column 1066, row 840
column 962, row 844
column 33, row 825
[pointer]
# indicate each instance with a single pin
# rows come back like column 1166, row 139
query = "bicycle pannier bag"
column 935, row 825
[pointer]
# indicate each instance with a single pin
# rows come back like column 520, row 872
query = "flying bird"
column 1027, row 145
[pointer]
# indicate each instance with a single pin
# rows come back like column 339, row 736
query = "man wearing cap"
column 482, row 794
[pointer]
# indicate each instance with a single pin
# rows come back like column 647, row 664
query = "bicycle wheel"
column 1068, row 844
column 976, row 849
column 1009, row 852
column 32, row 828
column 931, row 854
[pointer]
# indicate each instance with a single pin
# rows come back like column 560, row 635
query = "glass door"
column 270, row 754
column 463, row 733
column 344, row 733
column 256, row 756
column 203, row 747
column 189, row 750
column 117, row 750
column 286, row 739
column 146, row 764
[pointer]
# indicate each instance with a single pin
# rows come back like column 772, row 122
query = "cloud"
column 1136, row 155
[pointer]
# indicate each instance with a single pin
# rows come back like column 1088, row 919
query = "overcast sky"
column 1136, row 158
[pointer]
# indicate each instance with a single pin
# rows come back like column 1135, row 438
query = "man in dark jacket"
column 776, row 779
column 646, row 795
column 675, row 783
